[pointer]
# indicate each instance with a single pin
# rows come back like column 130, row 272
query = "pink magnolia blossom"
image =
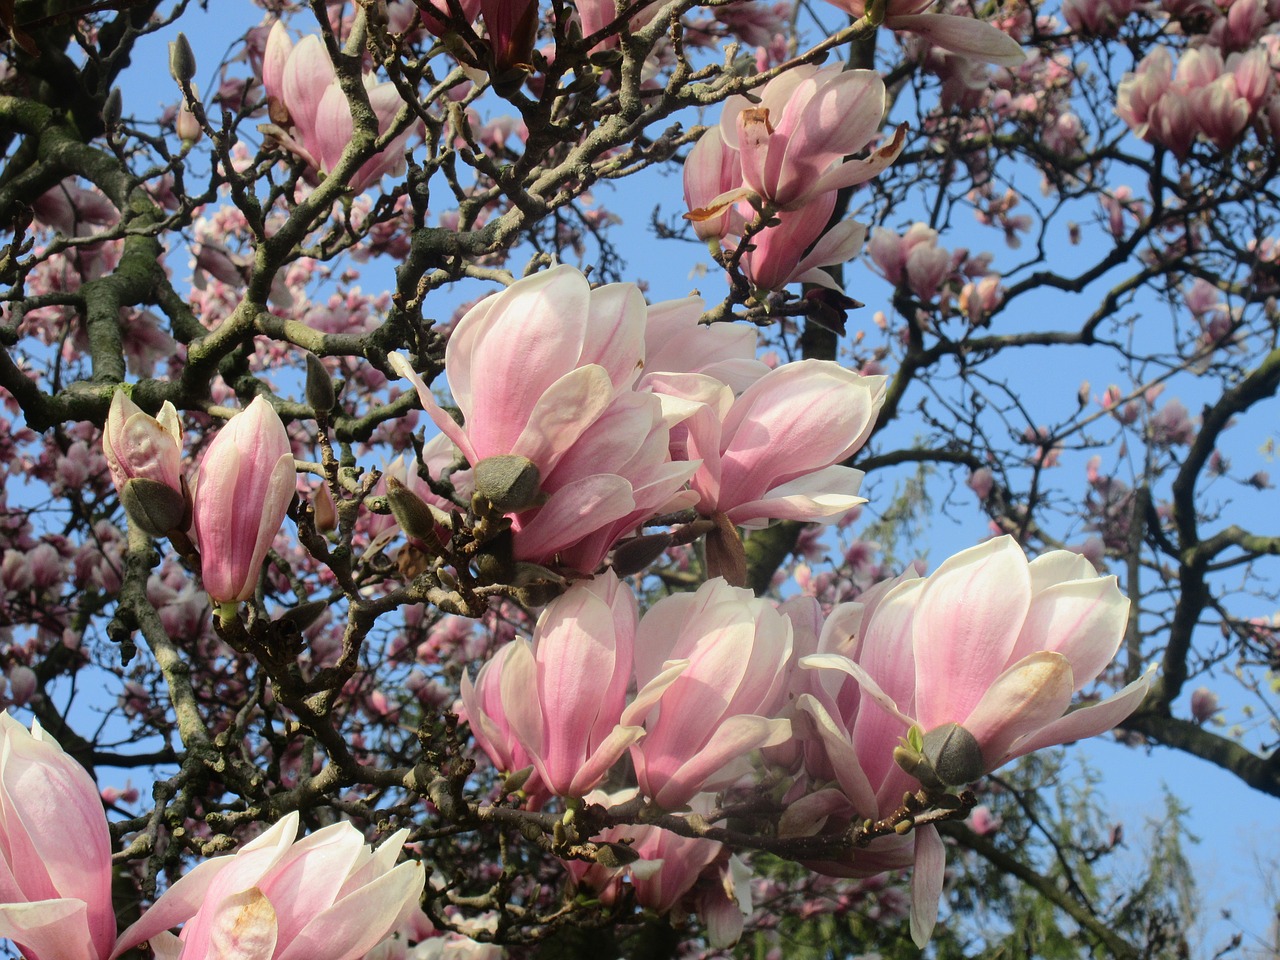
column 676, row 342
column 138, row 445
column 300, row 79
column 242, row 491
column 512, row 26
column 482, row 707
column 796, row 248
column 774, row 452
column 55, row 851
column 532, row 367
column 967, row 37
column 544, row 371
column 324, row 897
column 999, row 646
column 617, row 474
column 564, row 694
column 722, row 705
column 1204, row 704
column 792, row 144
column 712, row 172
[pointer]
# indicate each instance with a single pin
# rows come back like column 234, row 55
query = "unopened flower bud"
column 304, row 614
column 153, row 507
column 319, row 391
column 324, row 510
column 954, row 754
column 112, row 109
column 516, row 780
column 411, row 512
column 615, row 855
column 496, row 562
column 917, row 766
column 635, row 554
column 508, row 481
column 187, row 127
column 182, row 62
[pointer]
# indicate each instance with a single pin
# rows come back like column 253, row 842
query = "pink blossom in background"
column 965, row 36
column 243, row 488
column 300, row 80
column 326, row 896
column 983, row 822
column 55, row 851
column 1204, row 705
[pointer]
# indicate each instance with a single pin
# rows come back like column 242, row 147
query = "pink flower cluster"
column 311, row 116
column 924, row 681
column 325, row 897
column 783, row 159
column 611, row 412
column 945, row 678
column 236, row 503
column 1207, row 96
column 709, row 667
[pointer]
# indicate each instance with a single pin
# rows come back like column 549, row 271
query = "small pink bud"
column 243, row 489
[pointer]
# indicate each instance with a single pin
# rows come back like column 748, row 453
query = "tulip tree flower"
column 55, row 851
column 324, row 897
column 242, row 491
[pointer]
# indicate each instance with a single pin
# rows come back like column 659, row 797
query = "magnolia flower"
column 997, row 648
column 564, row 694
column 482, row 707
column 300, row 82
column 55, row 851
column 722, row 704
column 243, row 488
column 774, row 452
column 792, row 144
column 544, row 374
column 324, row 897
column 532, row 367
column 965, row 36
column 148, row 449
column 676, row 342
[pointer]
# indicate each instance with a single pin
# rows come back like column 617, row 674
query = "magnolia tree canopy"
column 398, row 559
